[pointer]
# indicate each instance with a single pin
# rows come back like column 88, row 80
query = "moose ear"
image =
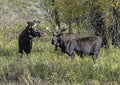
column 36, row 21
column 61, row 34
column 63, row 29
column 30, row 23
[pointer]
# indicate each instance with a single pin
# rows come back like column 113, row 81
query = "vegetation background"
column 45, row 66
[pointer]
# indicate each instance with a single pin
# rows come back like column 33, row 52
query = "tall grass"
column 44, row 66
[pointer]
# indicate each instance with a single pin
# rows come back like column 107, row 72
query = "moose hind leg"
column 20, row 53
column 72, row 56
column 56, row 47
column 70, row 52
column 95, row 56
column 27, row 50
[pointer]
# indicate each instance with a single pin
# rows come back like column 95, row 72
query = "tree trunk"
column 98, row 24
column 57, row 21
column 114, row 29
column 56, row 16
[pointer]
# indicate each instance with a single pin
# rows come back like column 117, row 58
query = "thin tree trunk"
column 115, row 27
column 98, row 24
column 56, row 16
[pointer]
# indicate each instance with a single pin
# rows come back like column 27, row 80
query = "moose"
column 61, row 43
column 70, row 43
column 26, row 37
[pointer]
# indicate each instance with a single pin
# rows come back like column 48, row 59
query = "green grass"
column 44, row 66
column 47, row 67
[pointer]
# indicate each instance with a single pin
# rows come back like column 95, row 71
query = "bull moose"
column 56, row 40
column 26, row 37
column 69, row 42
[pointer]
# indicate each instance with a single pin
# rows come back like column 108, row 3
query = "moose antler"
column 62, row 30
column 59, row 30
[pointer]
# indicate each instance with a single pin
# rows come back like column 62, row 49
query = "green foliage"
column 45, row 66
column 53, row 68
column 80, row 9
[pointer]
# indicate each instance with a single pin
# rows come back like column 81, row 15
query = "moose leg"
column 94, row 59
column 70, row 50
column 79, row 53
column 96, row 53
column 20, row 49
column 27, row 50
column 21, row 52
column 56, row 47
column 72, row 55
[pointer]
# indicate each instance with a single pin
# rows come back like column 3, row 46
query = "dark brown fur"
column 70, row 42
column 26, row 38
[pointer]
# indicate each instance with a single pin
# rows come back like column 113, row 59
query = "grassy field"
column 46, row 67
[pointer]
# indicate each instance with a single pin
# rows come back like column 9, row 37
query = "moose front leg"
column 56, row 47
column 70, row 50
